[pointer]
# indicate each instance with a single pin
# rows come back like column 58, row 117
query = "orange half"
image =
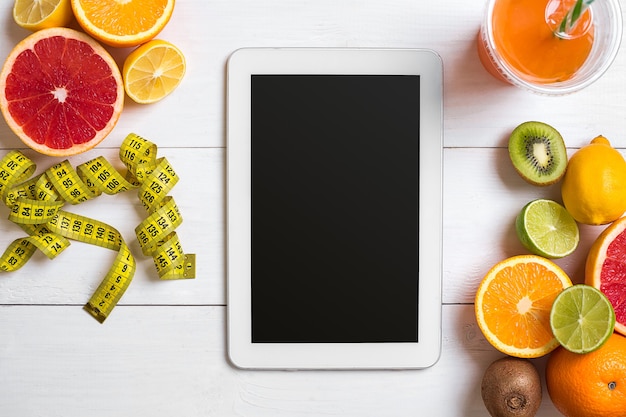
column 123, row 23
column 513, row 304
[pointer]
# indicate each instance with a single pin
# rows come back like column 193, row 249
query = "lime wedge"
column 582, row 318
column 547, row 229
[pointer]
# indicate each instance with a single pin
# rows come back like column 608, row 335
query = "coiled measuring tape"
column 36, row 206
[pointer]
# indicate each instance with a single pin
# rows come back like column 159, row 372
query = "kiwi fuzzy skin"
column 537, row 131
column 511, row 387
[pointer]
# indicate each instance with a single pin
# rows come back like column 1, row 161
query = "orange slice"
column 513, row 304
column 606, row 269
column 123, row 23
column 153, row 71
column 60, row 92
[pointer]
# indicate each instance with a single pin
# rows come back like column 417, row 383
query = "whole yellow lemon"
column 594, row 185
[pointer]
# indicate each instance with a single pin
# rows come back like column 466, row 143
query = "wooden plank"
column 479, row 219
column 165, row 361
column 479, row 110
column 479, row 213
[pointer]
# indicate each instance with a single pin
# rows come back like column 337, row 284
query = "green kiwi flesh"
column 538, row 153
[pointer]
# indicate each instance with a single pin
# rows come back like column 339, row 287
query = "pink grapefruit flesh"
column 605, row 269
column 61, row 92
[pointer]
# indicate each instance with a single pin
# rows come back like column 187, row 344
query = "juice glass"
column 517, row 43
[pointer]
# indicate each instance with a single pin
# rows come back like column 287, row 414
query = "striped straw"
column 571, row 18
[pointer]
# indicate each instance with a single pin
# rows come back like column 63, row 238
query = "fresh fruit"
column 513, row 304
column 152, row 71
column 511, row 387
column 123, row 23
column 538, row 153
column 582, row 318
column 589, row 385
column 605, row 269
column 545, row 228
column 41, row 14
column 594, row 185
column 60, row 92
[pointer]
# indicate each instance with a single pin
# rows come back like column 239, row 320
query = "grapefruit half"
column 61, row 92
column 605, row 269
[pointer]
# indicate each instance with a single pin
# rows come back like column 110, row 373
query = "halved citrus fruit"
column 582, row 318
column 545, row 228
column 152, row 71
column 123, row 23
column 40, row 14
column 513, row 304
column 60, row 92
column 605, row 269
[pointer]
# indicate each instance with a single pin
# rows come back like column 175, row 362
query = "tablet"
column 334, row 207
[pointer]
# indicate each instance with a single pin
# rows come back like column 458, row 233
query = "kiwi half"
column 538, row 153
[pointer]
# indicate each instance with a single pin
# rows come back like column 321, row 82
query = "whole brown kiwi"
column 511, row 387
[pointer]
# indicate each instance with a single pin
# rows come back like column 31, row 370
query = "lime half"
column 547, row 229
column 582, row 318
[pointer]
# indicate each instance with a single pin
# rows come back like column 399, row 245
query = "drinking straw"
column 571, row 18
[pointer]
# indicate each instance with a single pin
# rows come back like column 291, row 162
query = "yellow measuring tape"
column 36, row 206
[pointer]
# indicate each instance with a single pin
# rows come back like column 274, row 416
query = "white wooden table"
column 162, row 350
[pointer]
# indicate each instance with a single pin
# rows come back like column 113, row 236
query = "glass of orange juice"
column 519, row 42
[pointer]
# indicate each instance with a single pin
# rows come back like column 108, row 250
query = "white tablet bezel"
column 242, row 64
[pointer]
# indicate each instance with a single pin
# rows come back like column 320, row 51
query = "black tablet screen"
column 335, row 172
